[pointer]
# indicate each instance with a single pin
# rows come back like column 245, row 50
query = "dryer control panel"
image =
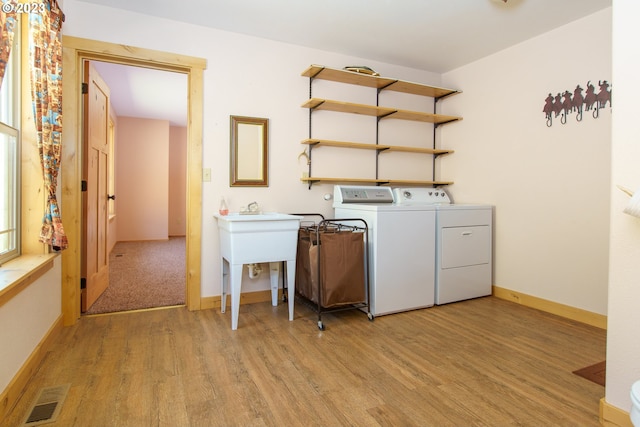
column 421, row 196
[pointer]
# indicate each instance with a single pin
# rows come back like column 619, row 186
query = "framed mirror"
column 249, row 152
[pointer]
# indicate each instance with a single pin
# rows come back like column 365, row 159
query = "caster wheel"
column 320, row 325
column 370, row 317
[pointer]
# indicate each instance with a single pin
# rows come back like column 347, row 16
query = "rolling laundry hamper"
column 332, row 266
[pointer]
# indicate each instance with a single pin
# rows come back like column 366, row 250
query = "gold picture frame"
column 249, row 152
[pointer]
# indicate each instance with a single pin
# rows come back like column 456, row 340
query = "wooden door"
column 95, row 259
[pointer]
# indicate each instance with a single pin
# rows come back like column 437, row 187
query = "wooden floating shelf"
column 410, row 182
column 393, row 148
column 343, row 144
column 350, row 77
column 397, row 182
column 347, row 107
column 418, row 116
column 384, row 148
column 382, row 83
column 381, row 112
column 313, row 179
column 420, row 89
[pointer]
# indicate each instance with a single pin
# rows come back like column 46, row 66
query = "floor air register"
column 332, row 266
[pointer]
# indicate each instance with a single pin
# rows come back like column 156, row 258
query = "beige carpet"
column 144, row 275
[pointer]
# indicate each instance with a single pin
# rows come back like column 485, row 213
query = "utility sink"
column 254, row 238
column 266, row 221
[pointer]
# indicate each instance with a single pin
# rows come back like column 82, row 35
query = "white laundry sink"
column 246, row 239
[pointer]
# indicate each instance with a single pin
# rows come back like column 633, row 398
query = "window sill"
column 17, row 274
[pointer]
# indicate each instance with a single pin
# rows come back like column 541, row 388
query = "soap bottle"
column 224, row 210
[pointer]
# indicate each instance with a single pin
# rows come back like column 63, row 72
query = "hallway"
column 144, row 274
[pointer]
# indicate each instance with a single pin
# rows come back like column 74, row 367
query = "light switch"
column 206, row 175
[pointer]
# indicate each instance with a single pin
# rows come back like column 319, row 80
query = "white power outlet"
column 206, row 175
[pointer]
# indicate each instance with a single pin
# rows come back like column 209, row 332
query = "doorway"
column 75, row 51
column 147, row 139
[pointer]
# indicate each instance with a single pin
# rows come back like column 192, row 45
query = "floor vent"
column 47, row 406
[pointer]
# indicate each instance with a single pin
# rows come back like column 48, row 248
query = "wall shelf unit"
column 381, row 113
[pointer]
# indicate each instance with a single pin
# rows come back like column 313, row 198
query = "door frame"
column 75, row 51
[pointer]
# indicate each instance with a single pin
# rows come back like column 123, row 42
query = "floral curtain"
column 7, row 25
column 45, row 57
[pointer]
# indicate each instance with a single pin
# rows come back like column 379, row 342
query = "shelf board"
column 392, row 148
column 381, row 112
column 420, row 89
column 344, row 76
column 409, row 182
column 347, row 107
column 403, row 182
column 343, row 144
column 419, row 116
column 383, row 83
column 313, row 179
column 379, row 147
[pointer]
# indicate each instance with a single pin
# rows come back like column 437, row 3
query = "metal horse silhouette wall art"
column 566, row 103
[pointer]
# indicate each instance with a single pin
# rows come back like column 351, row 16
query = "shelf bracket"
column 438, row 98
column 310, row 118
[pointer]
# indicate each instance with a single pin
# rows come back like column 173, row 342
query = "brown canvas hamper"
column 306, row 274
column 330, row 262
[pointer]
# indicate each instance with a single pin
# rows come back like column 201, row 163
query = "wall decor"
column 249, row 152
column 565, row 103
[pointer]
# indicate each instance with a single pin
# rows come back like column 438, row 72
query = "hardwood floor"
column 483, row 362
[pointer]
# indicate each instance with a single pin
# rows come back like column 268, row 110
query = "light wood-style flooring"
column 483, row 362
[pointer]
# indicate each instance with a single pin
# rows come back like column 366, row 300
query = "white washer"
column 401, row 247
column 464, row 238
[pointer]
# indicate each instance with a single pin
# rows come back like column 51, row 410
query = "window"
column 10, row 156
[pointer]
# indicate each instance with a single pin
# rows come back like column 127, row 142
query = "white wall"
column 142, row 179
column 177, row 181
column 25, row 320
column 550, row 185
column 623, row 345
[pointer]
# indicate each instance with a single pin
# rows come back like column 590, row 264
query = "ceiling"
column 134, row 92
column 431, row 35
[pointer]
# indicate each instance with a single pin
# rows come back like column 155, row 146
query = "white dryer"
column 401, row 247
column 464, row 236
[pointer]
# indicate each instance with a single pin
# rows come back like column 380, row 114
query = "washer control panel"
column 362, row 194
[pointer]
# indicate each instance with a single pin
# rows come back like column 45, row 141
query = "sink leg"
column 236, row 281
column 274, row 273
column 224, row 285
column 291, row 284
